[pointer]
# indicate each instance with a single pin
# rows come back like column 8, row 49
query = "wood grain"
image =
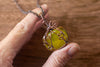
column 81, row 19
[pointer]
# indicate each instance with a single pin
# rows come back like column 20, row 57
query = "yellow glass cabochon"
column 53, row 40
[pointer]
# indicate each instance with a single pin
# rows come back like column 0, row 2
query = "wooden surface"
column 81, row 19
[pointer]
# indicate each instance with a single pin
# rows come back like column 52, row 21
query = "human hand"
column 21, row 33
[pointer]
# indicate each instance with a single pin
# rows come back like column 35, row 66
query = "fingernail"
column 73, row 50
column 44, row 5
column 45, row 8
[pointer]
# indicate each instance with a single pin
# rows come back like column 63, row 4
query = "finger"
column 38, row 24
column 20, row 34
column 60, row 57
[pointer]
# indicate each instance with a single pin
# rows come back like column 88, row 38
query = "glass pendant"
column 55, row 39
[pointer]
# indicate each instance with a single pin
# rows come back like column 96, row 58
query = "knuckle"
column 20, row 28
column 58, row 58
column 20, row 25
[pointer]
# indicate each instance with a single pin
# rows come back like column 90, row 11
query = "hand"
column 21, row 33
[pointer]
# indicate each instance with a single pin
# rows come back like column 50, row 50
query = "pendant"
column 55, row 39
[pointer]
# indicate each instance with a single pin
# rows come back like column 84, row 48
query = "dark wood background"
column 80, row 18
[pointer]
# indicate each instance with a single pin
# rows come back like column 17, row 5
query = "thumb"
column 60, row 57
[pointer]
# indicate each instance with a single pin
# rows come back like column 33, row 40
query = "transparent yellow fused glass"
column 56, row 39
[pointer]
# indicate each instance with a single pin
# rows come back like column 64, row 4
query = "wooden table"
column 80, row 18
